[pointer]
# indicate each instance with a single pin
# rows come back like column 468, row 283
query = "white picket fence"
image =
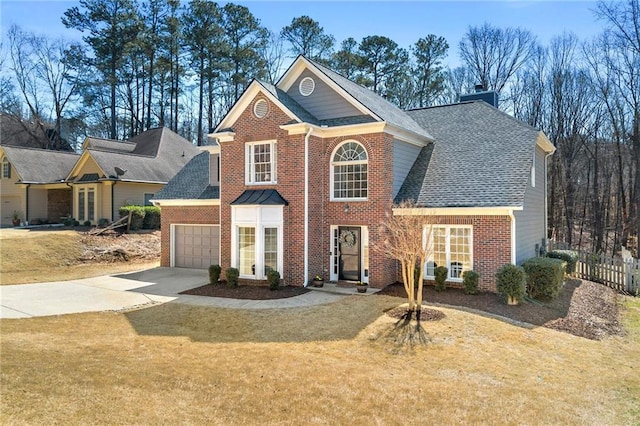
column 613, row 271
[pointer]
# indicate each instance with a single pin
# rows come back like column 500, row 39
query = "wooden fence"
column 613, row 271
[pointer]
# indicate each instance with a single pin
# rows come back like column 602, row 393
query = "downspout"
column 113, row 215
column 546, row 200
column 26, row 210
column 513, row 236
column 306, row 207
column 72, row 202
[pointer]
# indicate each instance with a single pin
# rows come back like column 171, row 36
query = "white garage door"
column 196, row 246
column 7, row 206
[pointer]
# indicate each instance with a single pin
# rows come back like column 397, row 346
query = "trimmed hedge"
column 232, row 277
column 544, row 277
column 569, row 256
column 274, row 279
column 440, row 273
column 510, row 281
column 137, row 216
column 151, row 217
column 470, row 281
column 214, row 273
column 142, row 217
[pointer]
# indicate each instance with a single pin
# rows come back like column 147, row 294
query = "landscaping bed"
column 250, row 292
column 583, row 308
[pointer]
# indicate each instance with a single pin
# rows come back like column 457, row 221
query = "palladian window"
column 349, row 172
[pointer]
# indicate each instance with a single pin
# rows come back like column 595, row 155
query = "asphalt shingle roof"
column 40, row 165
column 191, row 183
column 159, row 154
column 375, row 103
column 109, row 144
column 481, row 157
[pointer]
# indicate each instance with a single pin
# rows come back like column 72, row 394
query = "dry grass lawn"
column 50, row 255
column 179, row 364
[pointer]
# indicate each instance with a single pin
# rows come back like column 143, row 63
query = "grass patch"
column 40, row 256
column 326, row 365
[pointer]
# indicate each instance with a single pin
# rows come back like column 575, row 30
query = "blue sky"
column 403, row 22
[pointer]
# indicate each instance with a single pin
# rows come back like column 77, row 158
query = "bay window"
column 450, row 246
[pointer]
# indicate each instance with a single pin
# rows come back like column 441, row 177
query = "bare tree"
column 494, row 55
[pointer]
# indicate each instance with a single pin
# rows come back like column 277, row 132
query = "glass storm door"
column 350, row 253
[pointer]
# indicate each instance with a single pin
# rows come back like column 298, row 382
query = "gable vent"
column 260, row 108
column 306, row 86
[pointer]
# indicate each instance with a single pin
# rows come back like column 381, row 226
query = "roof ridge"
column 31, row 148
column 130, row 154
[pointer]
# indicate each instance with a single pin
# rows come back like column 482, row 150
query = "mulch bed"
column 583, row 308
column 426, row 314
column 246, row 292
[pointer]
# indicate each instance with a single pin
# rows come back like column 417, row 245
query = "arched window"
column 349, row 172
column 6, row 168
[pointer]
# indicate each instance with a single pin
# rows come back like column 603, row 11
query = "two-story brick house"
column 305, row 172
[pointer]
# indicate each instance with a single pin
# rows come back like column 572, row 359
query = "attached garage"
column 195, row 246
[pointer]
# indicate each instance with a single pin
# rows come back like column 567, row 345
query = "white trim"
column 513, row 238
column 298, row 67
column 533, row 170
column 310, row 90
column 546, row 200
column 364, row 244
column 543, row 142
column 259, row 222
column 172, row 240
column 407, row 135
column 247, row 97
column 457, row 211
column 212, row 149
column 335, row 131
column 178, row 203
column 306, row 207
column 333, row 164
column 249, row 171
column 222, row 137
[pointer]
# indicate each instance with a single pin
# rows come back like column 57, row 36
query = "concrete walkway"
column 127, row 291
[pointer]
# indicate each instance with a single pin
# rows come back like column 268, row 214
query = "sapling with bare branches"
column 408, row 238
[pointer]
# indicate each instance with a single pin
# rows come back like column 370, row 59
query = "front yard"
column 29, row 256
column 175, row 364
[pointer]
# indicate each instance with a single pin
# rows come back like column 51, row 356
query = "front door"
column 350, row 254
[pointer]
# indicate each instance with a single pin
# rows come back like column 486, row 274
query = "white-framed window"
column 450, row 246
column 257, row 240
column 349, row 172
column 147, row 198
column 247, row 250
column 6, row 168
column 261, row 163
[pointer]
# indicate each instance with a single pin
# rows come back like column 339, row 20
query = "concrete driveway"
column 131, row 290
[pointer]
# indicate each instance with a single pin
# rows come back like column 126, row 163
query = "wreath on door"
column 347, row 238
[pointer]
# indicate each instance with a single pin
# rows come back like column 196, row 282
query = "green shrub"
column 87, row 223
column 151, row 217
column 510, row 282
column 274, row 279
column 137, row 216
column 214, row 273
column 569, row 256
column 470, row 281
column 103, row 222
column 440, row 273
column 76, row 223
column 68, row 221
column 544, row 277
column 232, row 277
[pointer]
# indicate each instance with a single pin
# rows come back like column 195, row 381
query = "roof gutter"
column 306, row 206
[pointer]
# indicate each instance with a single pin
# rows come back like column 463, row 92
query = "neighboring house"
column 306, row 171
column 32, row 183
column 26, row 134
column 46, row 184
column 110, row 174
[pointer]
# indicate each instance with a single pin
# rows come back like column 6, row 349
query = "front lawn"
column 177, row 364
column 40, row 255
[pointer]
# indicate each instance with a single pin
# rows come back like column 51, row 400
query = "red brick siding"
column 491, row 245
column 197, row 215
column 59, row 204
